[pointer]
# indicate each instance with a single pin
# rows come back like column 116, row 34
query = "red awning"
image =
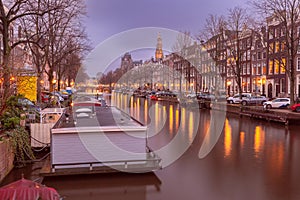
column 25, row 189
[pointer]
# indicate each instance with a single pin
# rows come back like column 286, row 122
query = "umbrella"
column 24, row 189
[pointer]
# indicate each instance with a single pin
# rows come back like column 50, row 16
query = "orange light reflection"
column 227, row 139
column 171, row 119
column 191, row 127
column 259, row 140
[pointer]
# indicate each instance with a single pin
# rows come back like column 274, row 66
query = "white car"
column 236, row 98
column 191, row 95
column 277, row 103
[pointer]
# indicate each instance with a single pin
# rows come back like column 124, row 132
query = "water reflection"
column 183, row 119
column 251, row 160
column 106, row 186
column 227, row 139
column 171, row 119
column 191, row 127
column 259, row 141
column 242, row 139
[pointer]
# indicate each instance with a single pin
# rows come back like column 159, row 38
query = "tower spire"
column 159, row 52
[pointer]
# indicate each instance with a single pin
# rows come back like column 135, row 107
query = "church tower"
column 159, row 52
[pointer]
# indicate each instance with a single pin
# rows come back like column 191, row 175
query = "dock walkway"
column 284, row 116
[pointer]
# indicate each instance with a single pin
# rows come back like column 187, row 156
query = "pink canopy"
column 25, row 189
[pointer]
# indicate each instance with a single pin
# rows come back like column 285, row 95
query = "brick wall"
column 6, row 158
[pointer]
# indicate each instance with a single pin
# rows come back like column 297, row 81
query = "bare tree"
column 287, row 13
column 11, row 12
column 65, row 36
column 183, row 40
column 32, row 29
column 237, row 24
column 214, row 25
column 212, row 38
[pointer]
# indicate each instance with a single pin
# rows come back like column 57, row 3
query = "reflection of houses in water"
column 106, row 186
column 90, row 86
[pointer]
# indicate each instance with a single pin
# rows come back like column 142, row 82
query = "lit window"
column 264, row 70
column 283, row 66
column 271, row 67
column 277, row 48
column 276, row 67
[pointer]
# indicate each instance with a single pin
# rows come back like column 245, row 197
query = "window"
column 271, row 67
column 277, row 47
column 271, row 48
column 282, row 31
column 258, row 55
column 264, row 70
column 258, row 69
column 248, row 69
column 248, row 55
column 283, row 46
column 264, row 55
column 271, row 33
column 244, row 69
column 298, row 64
column 254, row 70
column 283, row 66
column 276, row 71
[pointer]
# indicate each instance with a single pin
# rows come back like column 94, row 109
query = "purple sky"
column 109, row 17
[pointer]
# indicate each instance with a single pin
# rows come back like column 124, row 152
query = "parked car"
column 254, row 100
column 277, row 103
column 64, row 94
column 236, row 98
column 191, row 95
column 58, row 96
column 153, row 96
column 45, row 96
column 28, row 105
column 205, row 96
column 296, row 107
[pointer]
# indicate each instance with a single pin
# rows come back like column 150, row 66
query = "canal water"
column 244, row 159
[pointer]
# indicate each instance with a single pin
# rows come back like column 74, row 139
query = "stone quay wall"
column 6, row 158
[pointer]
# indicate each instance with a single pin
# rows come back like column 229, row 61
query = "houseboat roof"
column 106, row 138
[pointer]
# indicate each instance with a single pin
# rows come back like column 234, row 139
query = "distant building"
column 159, row 55
column 126, row 62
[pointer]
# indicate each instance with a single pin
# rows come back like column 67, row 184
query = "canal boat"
column 99, row 139
column 165, row 96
